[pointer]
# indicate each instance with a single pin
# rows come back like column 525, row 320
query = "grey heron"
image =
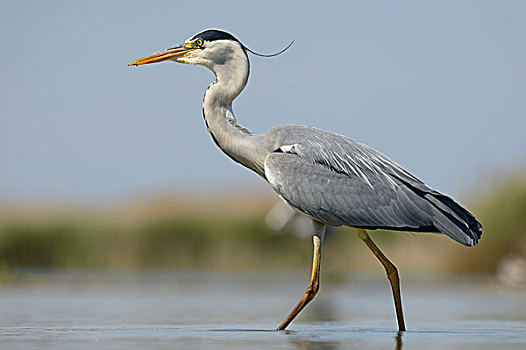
column 332, row 179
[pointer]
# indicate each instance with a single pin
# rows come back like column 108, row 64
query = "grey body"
column 339, row 181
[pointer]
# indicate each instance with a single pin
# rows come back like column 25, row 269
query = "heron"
column 332, row 179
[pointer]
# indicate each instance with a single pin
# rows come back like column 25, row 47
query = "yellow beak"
column 163, row 55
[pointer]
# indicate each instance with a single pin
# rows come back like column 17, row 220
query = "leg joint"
column 392, row 271
column 393, row 277
column 312, row 289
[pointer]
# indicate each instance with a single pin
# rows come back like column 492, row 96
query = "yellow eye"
column 199, row 42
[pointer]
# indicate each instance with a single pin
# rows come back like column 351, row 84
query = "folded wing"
column 339, row 181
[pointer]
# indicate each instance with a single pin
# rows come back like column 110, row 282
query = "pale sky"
column 440, row 87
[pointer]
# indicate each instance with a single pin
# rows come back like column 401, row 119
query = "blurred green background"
column 228, row 231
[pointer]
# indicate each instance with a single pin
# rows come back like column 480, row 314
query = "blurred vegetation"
column 502, row 211
column 164, row 236
column 174, row 242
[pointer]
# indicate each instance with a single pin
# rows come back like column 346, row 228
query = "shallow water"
column 219, row 310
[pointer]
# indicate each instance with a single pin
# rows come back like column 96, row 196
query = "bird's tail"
column 453, row 220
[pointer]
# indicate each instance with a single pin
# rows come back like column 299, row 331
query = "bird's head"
column 208, row 48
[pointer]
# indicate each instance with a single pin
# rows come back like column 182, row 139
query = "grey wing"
column 339, row 181
column 337, row 199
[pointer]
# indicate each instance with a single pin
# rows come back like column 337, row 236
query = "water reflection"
column 311, row 345
column 398, row 342
column 356, row 339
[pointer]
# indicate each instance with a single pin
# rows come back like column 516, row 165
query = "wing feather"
column 340, row 181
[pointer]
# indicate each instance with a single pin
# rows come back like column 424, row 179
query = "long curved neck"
column 233, row 139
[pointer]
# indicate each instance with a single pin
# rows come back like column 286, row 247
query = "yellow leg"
column 392, row 275
column 314, row 285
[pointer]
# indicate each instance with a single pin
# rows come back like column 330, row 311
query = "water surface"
column 230, row 310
